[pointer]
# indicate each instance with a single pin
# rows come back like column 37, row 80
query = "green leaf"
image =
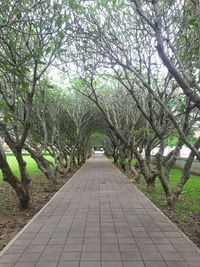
column 59, row 20
column 2, row 20
column 11, row 43
column 50, row 86
column 61, row 34
column 73, row 4
column 48, row 50
column 19, row 15
column 40, row 51
column 104, row 2
column 66, row 17
column 193, row 22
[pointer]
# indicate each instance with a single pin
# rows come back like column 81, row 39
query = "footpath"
column 98, row 219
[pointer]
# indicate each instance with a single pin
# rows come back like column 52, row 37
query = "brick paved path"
column 99, row 220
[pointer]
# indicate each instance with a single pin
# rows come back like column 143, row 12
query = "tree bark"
column 164, row 181
column 186, row 173
column 44, row 165
column 22, row 189
column 148, row 174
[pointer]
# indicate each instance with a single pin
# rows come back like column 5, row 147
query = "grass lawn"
column 31, row 165
column 189, row 199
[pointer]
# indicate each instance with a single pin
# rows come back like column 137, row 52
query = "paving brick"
column 131, row 256
column 171, row 256
column 90, row 255
column 167, row 247
column 110, row 240
column 176, row 264
column 10, row 258
column 68, row 264
column 25, row 264
column 73, row 247
column 127, row 248
column 16, row 249
column 191, row 256
column 193, row 264
column 111, row 256
column 90, row 264
column 155, row 264
column 140, row 234
column 126, row 241
column 70, row 256
column 47, row 264
column 6, row 264
column 109, row 247
column 91, row 247
column 112, row 264
column 30, row 257
column 153, row 255
column 146, row 247
column 73, row 240
column 134, row 264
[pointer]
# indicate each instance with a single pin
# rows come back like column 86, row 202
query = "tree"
column 36, row 29
column 175, row 26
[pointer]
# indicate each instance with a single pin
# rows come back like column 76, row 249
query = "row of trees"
column 36, row 115
column 138, row 61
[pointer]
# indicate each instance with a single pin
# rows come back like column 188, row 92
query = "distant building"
column 197, row 134
column 4, row 145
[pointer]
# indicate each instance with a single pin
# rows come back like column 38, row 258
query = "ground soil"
column 12, row 219
column 190, row 225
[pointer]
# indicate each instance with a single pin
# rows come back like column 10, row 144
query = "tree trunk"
column 22, row 189
column 68, row 167
column 151, row 183
column 25, row 179
column 83, row 159
column 115, row 158
column 186, row 173
column 74, row 161
column 115, row 155
column 44, row 165
column 170, row 160
column 145, row 170
column 148, row 154
column 164, row 181
column 133, row 172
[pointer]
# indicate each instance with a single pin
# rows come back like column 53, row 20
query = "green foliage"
column 74, row 5
column 171, row 141
column 97, row 139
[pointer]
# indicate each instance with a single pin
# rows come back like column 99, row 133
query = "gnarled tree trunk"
column 148, row 174
column 21, row 188
column 44, row 165
column 186, row 173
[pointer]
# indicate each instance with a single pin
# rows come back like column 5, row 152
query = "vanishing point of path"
column 98, row 219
